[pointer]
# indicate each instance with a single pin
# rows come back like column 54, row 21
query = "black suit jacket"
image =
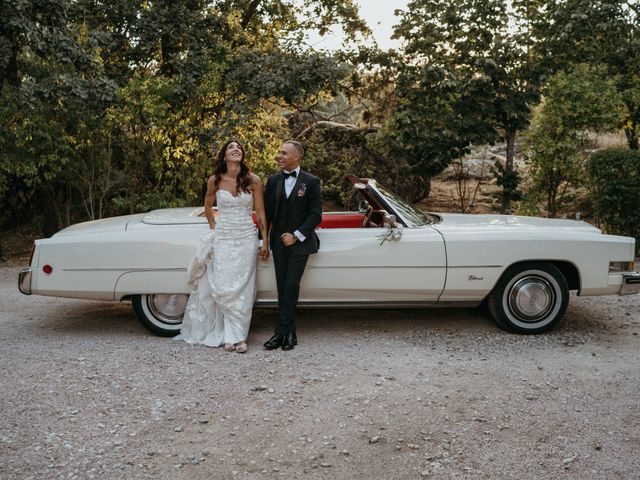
column 303, row 210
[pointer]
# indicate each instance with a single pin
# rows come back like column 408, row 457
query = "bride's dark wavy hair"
column 243, row 182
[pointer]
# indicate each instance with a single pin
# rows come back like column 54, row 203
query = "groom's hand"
column 288, row 239
column 263, row 252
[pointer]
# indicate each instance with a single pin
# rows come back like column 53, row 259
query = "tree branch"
column 249, row 13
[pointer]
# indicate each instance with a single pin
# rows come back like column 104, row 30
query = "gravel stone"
column 86, row 392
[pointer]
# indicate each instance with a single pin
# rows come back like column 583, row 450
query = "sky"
column 379, row 17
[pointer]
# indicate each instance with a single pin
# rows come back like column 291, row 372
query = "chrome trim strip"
column 458, row 304
column 24, row 281
column 475, row 266
column 350, row 267
column 177, row 269
column 372, row 305
column 124, row 269
column 630, row 283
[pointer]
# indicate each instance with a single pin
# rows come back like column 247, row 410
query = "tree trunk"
column 551, row 205
column 249, row 13
column 12, row 67
column 49, row 224
column 427, row 187
column 631, row 132
column 49, row 214
column 507, row 192
column 166, row 51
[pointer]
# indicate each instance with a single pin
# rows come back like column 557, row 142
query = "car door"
column 353, row 266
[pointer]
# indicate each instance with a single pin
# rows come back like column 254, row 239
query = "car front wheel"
column 529, row 298
column 161, row 313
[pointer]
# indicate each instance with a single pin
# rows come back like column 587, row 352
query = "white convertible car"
column 387, row 255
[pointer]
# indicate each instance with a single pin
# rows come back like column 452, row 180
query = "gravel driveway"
column 86, row 392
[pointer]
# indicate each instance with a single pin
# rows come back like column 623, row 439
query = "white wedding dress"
column 222, row 274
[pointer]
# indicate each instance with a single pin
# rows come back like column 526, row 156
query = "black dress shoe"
column 274, row 342
column 289, row 341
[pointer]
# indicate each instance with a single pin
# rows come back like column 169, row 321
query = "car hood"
column 513, row 222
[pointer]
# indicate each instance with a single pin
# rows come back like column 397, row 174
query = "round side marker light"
column 47, row 269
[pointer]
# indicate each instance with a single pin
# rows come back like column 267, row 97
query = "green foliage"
column 474, row 76
column 614, row 184
column 577, row 102
column 601, row 34
column 117, row 108
column 120, row 107
column 429, row 127
column 509, row 180
column 336, row 150
column 287, row 77
column 531, row 204
column 582, row 98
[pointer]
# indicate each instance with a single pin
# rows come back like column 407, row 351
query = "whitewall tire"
column 161, row 313
column 529, row 298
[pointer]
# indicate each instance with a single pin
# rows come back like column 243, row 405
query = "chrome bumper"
column 630, row 283
column 24, row 281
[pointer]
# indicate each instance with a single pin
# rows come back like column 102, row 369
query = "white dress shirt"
column 289, row 183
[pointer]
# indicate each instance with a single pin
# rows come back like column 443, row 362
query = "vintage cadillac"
column 388, row 254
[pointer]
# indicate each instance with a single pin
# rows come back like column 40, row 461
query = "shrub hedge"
column 613, row 179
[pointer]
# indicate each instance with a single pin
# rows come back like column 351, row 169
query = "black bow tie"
column 293, row 174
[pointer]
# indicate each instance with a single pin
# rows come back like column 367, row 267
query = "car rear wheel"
column 161, row 313
column 529, row 298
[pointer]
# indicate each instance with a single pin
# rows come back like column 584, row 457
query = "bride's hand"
column 263, row 251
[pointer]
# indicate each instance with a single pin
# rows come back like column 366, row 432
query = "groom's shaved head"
column 297, row 145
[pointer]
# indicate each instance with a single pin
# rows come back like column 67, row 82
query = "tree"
column 613, row 180
column 604, row 34
column 116, row 108
column 53, row 88
column 430, row 125
column 576, row 103
column 482, row 74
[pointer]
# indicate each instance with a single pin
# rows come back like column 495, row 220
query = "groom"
column 293, row 204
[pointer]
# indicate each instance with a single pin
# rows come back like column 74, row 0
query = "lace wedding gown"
column 222, row 274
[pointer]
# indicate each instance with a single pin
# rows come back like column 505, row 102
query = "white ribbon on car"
column 393, row 232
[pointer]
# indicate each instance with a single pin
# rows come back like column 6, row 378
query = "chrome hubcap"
column 168, row 308
column 531, row 298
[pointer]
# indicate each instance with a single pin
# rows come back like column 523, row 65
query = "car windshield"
column 411, row 215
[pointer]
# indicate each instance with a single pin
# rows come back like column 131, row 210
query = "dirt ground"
column 86, row 392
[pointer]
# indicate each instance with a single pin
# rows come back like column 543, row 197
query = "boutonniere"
column 302, row 189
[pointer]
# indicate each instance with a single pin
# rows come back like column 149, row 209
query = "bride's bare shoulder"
column 211, row 185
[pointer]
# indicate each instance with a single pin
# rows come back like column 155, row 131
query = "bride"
column 222, row 272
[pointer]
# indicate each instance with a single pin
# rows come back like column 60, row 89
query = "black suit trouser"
column 289, row 270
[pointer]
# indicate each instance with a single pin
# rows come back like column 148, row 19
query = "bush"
column 614, row 185
column 335, row 150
